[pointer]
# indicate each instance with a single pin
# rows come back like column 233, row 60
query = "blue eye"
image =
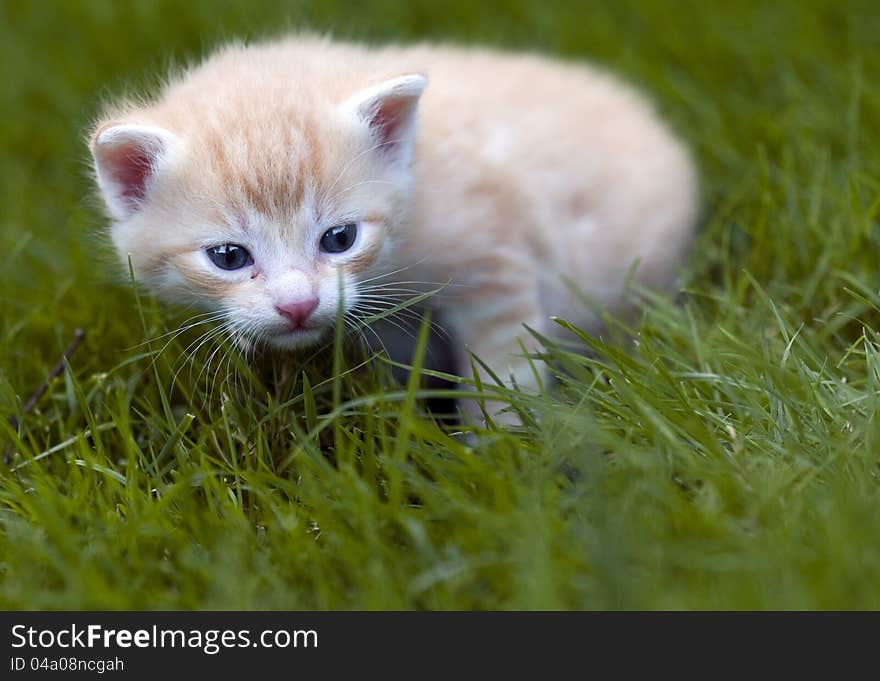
column 338, row 239
column 230, row 256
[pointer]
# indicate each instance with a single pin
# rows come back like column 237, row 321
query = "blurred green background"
column 728, row 461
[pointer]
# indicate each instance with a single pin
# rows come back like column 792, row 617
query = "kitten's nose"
column 298, row 312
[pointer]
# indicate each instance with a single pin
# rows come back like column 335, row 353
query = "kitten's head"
column 272, row 212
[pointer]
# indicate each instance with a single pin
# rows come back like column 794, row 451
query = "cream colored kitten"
column 264, row 178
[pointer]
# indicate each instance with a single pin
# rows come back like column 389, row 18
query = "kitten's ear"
column 389, row 108
column 127, row 157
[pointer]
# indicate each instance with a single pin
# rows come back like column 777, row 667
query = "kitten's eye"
column 230, row 256
column 338, row 239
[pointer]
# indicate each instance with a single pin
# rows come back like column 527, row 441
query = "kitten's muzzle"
column 298, row 312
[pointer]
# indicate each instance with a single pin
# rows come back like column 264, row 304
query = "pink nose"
column 299, row 311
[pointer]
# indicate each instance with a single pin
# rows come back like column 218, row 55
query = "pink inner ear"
column 130, row 166
column 390, row 118
column 131, row 171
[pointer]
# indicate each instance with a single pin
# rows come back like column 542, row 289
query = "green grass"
column 727, row 459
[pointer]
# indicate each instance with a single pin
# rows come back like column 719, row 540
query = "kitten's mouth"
column 295, row 336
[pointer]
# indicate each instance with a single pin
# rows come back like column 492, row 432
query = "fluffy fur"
column 515, row 178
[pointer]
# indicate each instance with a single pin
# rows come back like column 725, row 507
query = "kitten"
column 282, row 182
